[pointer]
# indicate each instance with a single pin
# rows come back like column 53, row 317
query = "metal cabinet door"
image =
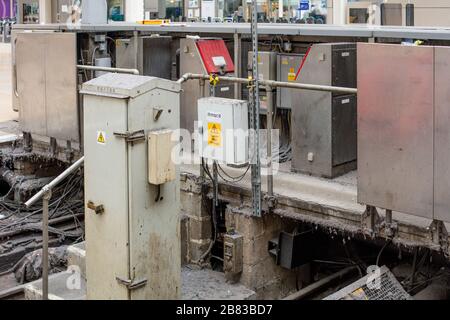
column 61, row 86
column 442, row 135
column 106, row 183
column 157, row 57
column 395, row 127
column 46, row 78
column 30, row 80
column 154, row 221
column 343, row 129
column 344, row 66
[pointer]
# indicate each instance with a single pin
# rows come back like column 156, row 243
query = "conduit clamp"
column 251, row 82
column 213, row 79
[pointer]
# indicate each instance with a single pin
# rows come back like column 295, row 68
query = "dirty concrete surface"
column 204, row 284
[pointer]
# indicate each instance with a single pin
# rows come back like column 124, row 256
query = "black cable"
column 233, row 179
column 381, row 251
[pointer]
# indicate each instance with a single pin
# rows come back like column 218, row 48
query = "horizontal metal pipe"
column 108, row 69
column 292, row 85
column 184, row 78
column 319, row 284
column 314, row 87
column 55, row 182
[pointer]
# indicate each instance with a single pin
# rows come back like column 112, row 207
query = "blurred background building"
column 372, row 12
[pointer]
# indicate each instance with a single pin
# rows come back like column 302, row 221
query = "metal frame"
column 436, row 33
column 254, row 108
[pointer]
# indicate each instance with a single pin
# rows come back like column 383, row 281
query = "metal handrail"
column 55, row 182
column 108, row 69
column 271, row 83
column 46, row 193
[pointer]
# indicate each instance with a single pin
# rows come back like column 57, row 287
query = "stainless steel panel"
column 126, row 54
column 31, row 82
column 61, row 87
column 157, row 58
column 312, row 134
column 324, row 124
column 311, row 117
column 395, row 127
column 442, row 135
column 47, row 96
column 153, row 58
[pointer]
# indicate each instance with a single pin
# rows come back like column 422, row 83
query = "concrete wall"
column 260, row 273
column 196, row 221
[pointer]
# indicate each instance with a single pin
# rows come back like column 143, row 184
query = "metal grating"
column 388, row 288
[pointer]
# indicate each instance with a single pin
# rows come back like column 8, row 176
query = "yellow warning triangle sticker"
column 101, row 137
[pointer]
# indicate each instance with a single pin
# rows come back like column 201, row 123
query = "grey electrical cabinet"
column 287, row 68
column 324, row 124
column 267, row 65
column 152, row 57
column 132, row 211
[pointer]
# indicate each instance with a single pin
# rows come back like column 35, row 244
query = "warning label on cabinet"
column 214, row 134
column 291, row 75
column 101, row 137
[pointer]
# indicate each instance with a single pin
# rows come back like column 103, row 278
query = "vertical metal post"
column 254, row 116
column 202, row 168
column 388, row 217
column 269, row 140
column 202, row 88
column 237, row 65
column 136, row 49
column 216, row 183
column 45, row 202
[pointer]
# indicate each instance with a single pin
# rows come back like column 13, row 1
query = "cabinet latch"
column 132, row 284
column 135, row 136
